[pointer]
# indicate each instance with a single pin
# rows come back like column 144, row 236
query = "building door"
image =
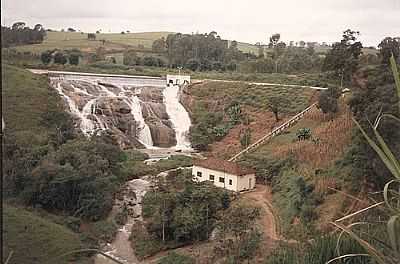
column 250, row 184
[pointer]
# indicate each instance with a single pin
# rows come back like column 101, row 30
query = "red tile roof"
column 223, row 166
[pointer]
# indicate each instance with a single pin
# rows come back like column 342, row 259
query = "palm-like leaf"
column 392, row 201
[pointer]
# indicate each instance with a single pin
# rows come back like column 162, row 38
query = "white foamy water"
column 120, row 248
column 178, row 115
column 144, row 134
column 94, row 90
column 91, row 122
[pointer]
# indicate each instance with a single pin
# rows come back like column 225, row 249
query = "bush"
column 193, row 64
column 328, row 100
column 104, row 230
column 143, row 243
column 303, row 134
column 149, row 61
column 79, row 178
column 60, row 58
column 46, row 57
column 74, row 59
column 245, row 138
column 174, row 258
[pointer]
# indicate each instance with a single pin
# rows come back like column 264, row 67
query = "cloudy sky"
column 245, row 20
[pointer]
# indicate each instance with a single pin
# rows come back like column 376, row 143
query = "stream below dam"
column 120, row 249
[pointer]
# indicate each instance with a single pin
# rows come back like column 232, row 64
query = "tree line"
column 208, row 52
column 20, row 34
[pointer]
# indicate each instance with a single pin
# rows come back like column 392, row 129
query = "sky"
column 245, row 20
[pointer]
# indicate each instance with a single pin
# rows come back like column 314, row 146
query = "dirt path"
column 262, row 197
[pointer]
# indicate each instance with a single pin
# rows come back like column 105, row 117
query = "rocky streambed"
column 130, row 199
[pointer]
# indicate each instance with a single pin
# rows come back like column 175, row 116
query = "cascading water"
column 178, row 116
column 91, row 99
column 144, row 134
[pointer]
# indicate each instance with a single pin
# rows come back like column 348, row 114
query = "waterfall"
column 90, row 122
column 87, row 92
column 144, row 134
column 178, row 115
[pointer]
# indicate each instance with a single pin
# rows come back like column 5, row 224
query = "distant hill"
column 119, row 42
column 79, row 40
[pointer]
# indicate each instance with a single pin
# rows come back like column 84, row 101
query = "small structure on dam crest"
column 224, row 174
column 178, row 79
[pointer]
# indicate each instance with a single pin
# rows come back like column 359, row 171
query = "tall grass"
column 318, row 251
column 330, row 139
column 382, row 251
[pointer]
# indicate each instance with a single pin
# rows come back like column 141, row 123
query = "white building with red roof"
column 224, row 174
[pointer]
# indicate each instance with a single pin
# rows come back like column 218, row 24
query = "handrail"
column 273, row 132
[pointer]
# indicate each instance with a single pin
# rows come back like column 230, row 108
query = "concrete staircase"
column 274, row 132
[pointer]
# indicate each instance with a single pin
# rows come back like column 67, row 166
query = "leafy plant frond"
column 373, row 252
column 347, row 256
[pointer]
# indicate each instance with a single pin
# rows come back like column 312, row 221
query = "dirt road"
column 262, row 197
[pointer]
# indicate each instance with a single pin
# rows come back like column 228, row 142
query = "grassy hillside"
column 34, row 239
column 114, row 41
column 301, row 171
column 31, row 111
column 26, row 101
column 257, row 96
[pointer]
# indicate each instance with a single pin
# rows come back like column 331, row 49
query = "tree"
column 373, row 92
column 130, row 58
column 38, row 27
column 91, row 36
column 275, row 104
column 245, row 138
column 182, row 215
column 60, row 58
column 239, row 238
column 274, row 39
column 18, row 26
column 387, row 47
column 193, row 64
column 343, row 58
column 328, row 100
column 159, row 45
column 20, row 34
column 46, row 57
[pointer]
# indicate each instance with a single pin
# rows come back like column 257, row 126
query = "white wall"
column 239, row 183
column 178, row 79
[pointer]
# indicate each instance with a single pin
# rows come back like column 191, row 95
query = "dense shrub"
column 184, row 215
column 60, row 58
column 46, row 57
column 78, row 178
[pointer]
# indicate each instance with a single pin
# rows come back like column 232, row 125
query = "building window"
column 221, row 179
column 199, row 174
column 230, row 182
column 212, row 177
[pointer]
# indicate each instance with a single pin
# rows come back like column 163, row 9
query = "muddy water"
column 120, row 248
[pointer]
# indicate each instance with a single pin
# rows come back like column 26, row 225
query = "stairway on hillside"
column 274, row 132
